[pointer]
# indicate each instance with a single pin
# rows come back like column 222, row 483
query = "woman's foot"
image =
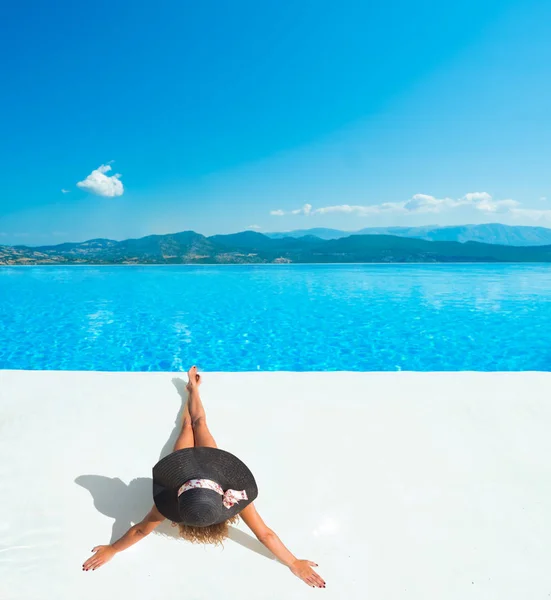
column 194, row 379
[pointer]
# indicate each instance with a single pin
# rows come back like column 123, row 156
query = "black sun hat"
column 202, row 486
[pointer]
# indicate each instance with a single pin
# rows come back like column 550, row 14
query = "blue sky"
column 220, row 116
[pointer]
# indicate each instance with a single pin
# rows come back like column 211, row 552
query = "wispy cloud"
column 256, row 227
column 64, row 191
column 17, row 234
column 100, row 184
column 305, row 210
column 426, row 204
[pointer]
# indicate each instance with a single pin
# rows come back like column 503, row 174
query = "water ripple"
column 277, row 318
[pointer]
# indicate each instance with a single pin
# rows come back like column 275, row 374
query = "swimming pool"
column 277, row 317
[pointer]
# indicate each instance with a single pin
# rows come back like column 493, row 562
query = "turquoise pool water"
column 277, row 318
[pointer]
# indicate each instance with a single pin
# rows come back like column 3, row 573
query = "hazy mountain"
column 320, row 232
column 189, row 247
column 492, row 233
column 387, row 248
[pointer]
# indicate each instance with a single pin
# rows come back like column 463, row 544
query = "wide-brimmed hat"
column 202, row 486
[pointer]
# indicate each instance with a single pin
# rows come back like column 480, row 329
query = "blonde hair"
column 213, row 534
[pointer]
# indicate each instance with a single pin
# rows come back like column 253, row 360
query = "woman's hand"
column 303, row 570
column 102, row 555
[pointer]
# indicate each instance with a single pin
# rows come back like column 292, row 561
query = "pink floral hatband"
column 230, row 497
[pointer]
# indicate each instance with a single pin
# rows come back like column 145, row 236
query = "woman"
column 202, row 490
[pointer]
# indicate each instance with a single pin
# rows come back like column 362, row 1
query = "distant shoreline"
column 250, row 248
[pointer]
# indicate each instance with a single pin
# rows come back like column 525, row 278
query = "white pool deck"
column 400, row 485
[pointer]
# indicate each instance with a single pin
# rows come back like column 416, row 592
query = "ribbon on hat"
column 230, row 497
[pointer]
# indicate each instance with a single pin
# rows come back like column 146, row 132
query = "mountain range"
column 491, row 233
column 189, row 247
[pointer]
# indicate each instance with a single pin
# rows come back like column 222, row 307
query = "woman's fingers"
column 315, row 579
column 303, row 569
column 94, row 561
column 89, row 564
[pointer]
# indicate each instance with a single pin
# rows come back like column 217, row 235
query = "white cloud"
column 543, row 198
column 477, row 197
column 100, row 184
column 346, row 208
column 254, row 227
column 501, row 206
column 426, row 204
column 63, row 191
column 305, row 210
column 482, row 201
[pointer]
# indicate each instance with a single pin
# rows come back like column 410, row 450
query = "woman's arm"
column 103, row 554
column 300, row 568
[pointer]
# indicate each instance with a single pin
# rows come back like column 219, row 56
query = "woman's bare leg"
column 203, row 436
column 186, row 439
